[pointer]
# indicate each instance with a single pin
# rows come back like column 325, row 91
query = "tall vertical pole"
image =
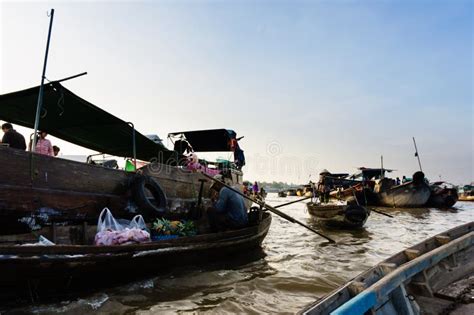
column 416, row 154
column 40, row 96
column 381, row 170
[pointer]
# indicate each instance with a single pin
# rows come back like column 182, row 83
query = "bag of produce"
column 111, row 232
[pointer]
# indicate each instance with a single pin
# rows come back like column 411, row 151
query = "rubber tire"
column 145, row 206
column 356, row 214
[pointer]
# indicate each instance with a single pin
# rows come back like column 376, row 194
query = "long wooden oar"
column 270, row 208
column 292, row 202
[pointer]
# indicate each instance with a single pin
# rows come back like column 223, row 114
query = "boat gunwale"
column 326, row 302
column 203, row 240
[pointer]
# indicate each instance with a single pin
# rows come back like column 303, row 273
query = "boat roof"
column 211, row 140
column 71, row 118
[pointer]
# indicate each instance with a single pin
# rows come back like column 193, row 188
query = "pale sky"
column 310, row 84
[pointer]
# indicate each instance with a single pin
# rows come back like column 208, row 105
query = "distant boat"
column 291, row 192
column 432, row 277
column 466, row 193
column 414, row 193
column 443, row 195
column 282, row 193
column 339, row 216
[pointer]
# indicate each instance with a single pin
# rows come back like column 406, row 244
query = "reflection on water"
column 294, row 268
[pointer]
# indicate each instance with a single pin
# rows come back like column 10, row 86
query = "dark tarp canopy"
column 212, row 140
column 73, row 119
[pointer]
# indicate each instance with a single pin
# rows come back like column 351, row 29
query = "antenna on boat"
column 416, row 154
column 40, row 96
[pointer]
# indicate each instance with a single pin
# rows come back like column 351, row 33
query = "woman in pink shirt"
column 43, row 145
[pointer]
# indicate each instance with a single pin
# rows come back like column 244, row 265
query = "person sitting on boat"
column 397, row 181
column 43, row 145
column 13, row 138
column 404, row 179
column 229, row 211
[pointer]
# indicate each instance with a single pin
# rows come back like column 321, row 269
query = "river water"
column 294, row 268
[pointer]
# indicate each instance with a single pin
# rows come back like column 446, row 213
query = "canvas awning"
column 73, row 119
column 212, row 140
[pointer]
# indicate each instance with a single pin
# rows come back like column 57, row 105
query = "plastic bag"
column 111, row 232
column 107, row 222
column 138, row 222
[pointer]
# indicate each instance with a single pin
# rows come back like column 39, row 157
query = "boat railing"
column 376, row 294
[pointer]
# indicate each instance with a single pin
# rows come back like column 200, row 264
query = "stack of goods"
column 111, row 232
column 163, row 229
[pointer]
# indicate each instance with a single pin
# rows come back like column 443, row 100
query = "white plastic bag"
column 111, row 232
column 138, row 222
column 107, row 222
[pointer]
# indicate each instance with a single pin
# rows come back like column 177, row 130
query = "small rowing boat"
column 339, row 216
column 435, row 276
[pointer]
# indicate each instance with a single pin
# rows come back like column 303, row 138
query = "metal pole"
column 134, row 146
column 381, row 163
column 40, row 96
column 416, row 154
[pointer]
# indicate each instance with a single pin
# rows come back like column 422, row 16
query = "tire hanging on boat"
column 355, row 214
column 140, row 186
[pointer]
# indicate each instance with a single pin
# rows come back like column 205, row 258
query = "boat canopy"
column 212, row 140
column 73, row 119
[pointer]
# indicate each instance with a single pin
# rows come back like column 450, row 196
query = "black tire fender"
column 356, row 214
column 140, row 185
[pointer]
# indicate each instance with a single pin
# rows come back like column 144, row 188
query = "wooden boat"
column 435, row 276
column 74, row 264
column 466, row 193
column 339, row 216
column 443, row 195
column 282, row 193
column 414, row 193
column 69, row 192
column 291, row 192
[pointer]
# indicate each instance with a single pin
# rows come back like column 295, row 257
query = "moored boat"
column 414, row 193
column 339, row 216
column 282, row 193
column 291, row 192
column 435, row 276
column 74, row 264
column 69, row 192
column 466, row 193
column 443, row 195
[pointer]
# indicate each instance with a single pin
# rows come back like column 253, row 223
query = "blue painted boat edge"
column 359, row 304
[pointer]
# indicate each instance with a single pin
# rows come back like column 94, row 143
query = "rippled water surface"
column 295, row 268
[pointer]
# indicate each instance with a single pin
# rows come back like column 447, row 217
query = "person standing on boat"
column 13, row 138
column 255, row 188
column 43, row 145
column 228, row 211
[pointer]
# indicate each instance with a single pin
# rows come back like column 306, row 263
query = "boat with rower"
column 346, row 216
column 435, row 276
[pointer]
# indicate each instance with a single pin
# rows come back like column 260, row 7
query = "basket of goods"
column 163, row 229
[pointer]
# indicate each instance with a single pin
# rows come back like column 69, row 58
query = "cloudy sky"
column 310, row 84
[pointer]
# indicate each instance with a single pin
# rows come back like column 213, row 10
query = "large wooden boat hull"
column 409, row 195
column 37, row 189
column 339, row 216
column 419, row 280
column 62, row 269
